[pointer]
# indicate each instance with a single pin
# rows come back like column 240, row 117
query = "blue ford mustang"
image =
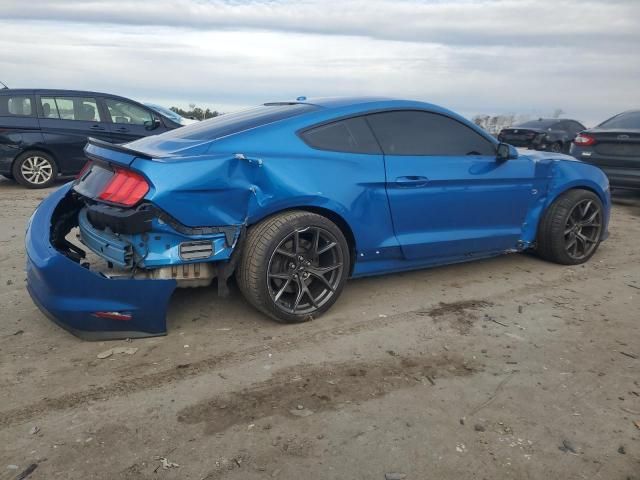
column 293, row 198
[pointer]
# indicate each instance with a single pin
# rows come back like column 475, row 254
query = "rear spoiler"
column 112, row 152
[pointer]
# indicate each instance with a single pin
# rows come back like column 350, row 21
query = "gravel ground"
column 504, row 368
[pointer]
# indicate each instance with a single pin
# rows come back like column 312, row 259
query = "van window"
column 16, row 105
column 127, row 113
column 70, row 108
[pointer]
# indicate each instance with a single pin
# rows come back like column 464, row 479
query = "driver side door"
column 449, row 197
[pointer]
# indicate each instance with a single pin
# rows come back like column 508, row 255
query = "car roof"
column 57, row 91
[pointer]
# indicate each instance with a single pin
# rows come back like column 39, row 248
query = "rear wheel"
column 294, row 266
column 571, row 228
column 35, row 169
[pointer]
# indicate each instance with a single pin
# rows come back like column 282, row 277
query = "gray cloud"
column 489, row 56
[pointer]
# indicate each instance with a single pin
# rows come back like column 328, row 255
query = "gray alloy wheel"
column 571, row 229
column 35, row 170
column 293, row 266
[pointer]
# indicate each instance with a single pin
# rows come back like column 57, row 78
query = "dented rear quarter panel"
column 281, row 172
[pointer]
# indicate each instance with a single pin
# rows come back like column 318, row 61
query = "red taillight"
column 125, row 188
column 584, row 140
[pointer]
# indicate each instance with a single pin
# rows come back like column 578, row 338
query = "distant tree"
column 558, row 112
column 196, row 112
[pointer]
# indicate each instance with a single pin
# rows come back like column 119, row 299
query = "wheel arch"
column 36, row 148
column 329, row 214
column 531, row 235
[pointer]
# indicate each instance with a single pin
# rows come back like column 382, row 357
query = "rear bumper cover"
column 71, row 294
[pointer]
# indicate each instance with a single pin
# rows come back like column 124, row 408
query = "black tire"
column 556, row 147
column 568, row 234
column 288, row 286
column 35, row 169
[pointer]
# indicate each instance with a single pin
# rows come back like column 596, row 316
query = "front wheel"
column 35, row 170
column 294, row 266
column 571, row 228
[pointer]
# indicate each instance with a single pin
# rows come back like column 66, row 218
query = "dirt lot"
column 506, row 368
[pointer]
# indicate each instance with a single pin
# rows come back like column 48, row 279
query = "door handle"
column 122, row 129
column 96, row 127
column 412, row 181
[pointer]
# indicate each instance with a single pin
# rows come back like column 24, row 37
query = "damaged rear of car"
column 114, row 210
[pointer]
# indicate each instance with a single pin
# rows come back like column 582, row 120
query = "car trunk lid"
column 617, row 148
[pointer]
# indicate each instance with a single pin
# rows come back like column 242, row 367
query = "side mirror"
column 505, row 152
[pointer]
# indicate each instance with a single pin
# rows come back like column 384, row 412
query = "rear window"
column 231, row 123
column 16, row 106
column 624, row 120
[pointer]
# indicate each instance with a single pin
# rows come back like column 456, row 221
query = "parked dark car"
column 550, row 134
column 43, row 132
column 614, row 146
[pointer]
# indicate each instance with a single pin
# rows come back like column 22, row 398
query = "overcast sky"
column 474, row 56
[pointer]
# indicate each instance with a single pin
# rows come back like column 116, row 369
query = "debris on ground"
column 27, row 471
column 35, row 429
column 305, row 412
column 394, row 476
column 461, row 448
column 637, row 424
column 478, row 428
column 166, row 464
column 116, row 351
column 621, row 450
column 630, row 355
column 568, row 447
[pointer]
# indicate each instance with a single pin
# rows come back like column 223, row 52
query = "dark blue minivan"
column 43, row 132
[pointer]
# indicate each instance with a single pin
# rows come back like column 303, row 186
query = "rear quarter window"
column 16, row 106
column 352, row 135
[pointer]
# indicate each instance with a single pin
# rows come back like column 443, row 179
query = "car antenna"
column 4, row 86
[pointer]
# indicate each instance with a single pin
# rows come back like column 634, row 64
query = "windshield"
column 626, row 120
column 166, row 112
column 230, row 123
column 541, row 123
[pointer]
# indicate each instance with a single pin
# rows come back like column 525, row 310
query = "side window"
column 423, row 133
column 127, row 113
column 352, row 135
column 70, row 108
column 16, row 105
column 49, row 108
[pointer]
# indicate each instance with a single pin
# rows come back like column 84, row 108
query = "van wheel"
column 293, row 266
column 35, row 169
